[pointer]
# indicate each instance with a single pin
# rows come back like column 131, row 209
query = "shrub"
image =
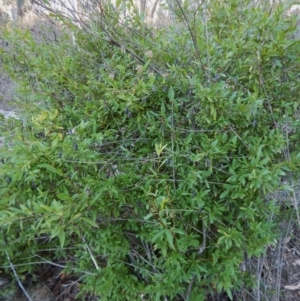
column 147, row 157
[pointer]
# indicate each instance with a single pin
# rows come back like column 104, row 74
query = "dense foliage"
column 145, row 156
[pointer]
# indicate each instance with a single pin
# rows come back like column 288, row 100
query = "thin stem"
column 14, row 270
column 192, row 35
column 200, row 251
column 91, row 254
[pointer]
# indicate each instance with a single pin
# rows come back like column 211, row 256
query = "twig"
column 190, row 287
column 203, row 245
column 192, row 35
column 172, row 137
column 295, row 202
column 239, row 137
column 17, row 278
column 200, row 251
column 57, row 265
column 14, row 270
column 207, row 41
column 90, row 252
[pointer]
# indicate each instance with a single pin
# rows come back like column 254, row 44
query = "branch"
column 192, row 35
column 90, row 252
column 200, row 251
column 17, row 278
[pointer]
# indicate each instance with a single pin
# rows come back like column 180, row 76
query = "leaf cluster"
column 148, row 156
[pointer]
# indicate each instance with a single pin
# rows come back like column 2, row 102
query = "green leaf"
column 47, row 208
column 169, row 236
column 159, row 148
column 228, row 291
column 158, row 235
column 171, row 94
column 224, row 137
column 62, row 237
column 148, row 216
column 163, row 109
column 50, row 168
column 224, row 194
column 89, row 221
column 147, row 64
column 63, row 197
